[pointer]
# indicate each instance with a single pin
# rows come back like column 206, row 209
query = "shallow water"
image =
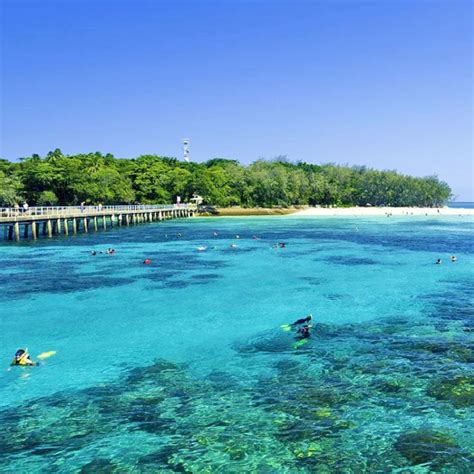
column 182, row 366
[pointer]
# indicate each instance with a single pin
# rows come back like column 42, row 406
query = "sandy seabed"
column 383, row 211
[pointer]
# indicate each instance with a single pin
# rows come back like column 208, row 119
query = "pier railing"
column 52, row 211
column 63, row 220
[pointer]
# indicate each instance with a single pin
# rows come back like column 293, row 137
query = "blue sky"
column 386, row 83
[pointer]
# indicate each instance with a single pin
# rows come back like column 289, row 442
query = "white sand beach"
column 383, row 211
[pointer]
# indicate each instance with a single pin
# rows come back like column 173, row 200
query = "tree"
column 10, row 190
column 97, row 178
column 47, row 198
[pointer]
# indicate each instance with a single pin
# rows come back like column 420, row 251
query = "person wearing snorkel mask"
column 303, row 320
column 304, row 332
column 22, row 357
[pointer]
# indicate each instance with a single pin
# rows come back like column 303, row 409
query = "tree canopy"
column 151, row 179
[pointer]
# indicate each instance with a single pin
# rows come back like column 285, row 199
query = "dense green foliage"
column 96, row 178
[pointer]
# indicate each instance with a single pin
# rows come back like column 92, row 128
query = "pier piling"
column 49, row 221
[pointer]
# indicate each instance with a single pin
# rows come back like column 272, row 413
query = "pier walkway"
column 16, row 224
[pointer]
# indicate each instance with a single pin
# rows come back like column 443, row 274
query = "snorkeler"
column 297, row 323
column 302, row 336
column 22, row 358
column 303, row 320
column 303, row 333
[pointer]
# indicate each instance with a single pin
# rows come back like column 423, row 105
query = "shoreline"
column 342, row 212
column 251, row 211
column 383, row 211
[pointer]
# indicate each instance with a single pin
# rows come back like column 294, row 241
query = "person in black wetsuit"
column 303, row 332
column 303, row 320
column 301, row 327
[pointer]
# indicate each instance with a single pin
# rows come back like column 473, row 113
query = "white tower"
column 186, row 149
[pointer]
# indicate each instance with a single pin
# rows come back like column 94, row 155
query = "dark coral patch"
column 424, row 446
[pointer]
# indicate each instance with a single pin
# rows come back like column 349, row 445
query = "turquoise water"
column 181, row 365
column 461, row 204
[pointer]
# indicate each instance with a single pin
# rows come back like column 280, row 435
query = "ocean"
column 187, row 364
column 461, row 205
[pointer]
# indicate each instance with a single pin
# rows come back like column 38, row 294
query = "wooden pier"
column 17, row 224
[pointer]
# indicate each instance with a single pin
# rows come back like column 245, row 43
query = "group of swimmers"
column 109, row 251
column 303, row 327
column 453, row 258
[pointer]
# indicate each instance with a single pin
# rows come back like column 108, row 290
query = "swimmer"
column 215, row 234
column 453, row 258
column 178, row 235
column 93, row 252
column 22, row 358
column 282, row 245
column 147, row 261
column 233, row 246
column 303, row 333
column 298, row 322
column 237, row 236
column 110, row 251
column 254, row 237
column 202, row 248
column 303, row 320
column 438, row 262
